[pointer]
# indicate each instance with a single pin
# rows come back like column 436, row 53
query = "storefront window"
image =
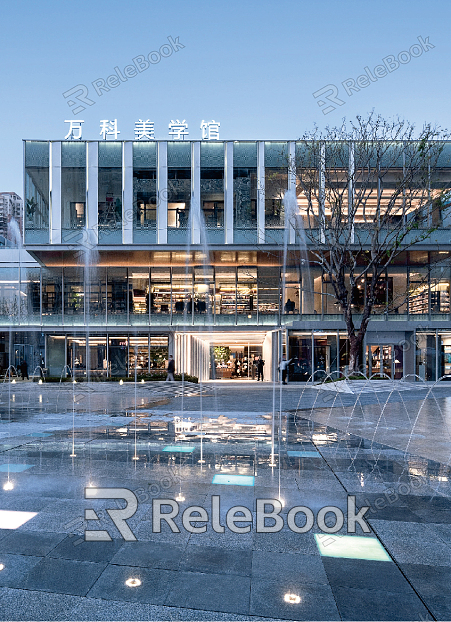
column 247, row 292
column 30, row 295
column 291, row 298
column 74, row 295
column 9, row 295
column 203, row 291
column 182, row 294
column 52, row 300
column 268, row 290
column 138, row 283
column 160, row 292
column 117, row 296
column 418, row 291
column 36, row 205
column 225, row 290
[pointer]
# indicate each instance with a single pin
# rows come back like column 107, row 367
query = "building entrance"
column 234, row 361
column 384, row 359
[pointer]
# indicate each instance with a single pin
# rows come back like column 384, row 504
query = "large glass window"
column 276, row 184
column 247, row 292
column 138, row 280
column 418, row 291
column 203, row 290
column 145, row 192
column 30, row 295
column 9, row 295
column 73, row 187
column 160, row 292
column 225, row 290
column 245, row 191
column 52, row 299
column 36, row 192
column 117, row 296
column 179, row 191
column 110, row 192
column 212, row 189
column 74, row 295
column 268, row 290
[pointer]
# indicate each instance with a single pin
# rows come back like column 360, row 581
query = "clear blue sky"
column 251, row 65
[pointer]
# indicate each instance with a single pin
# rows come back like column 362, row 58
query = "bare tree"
column 368, row 191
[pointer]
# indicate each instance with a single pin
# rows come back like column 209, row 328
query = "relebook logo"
column 268, row 517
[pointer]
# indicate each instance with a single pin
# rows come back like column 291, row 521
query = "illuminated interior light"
column 133, row 582
column 293, row 599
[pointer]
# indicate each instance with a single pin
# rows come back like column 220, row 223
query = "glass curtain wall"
column 138, row 295
column 36, row 205
column 160, row 295
column 110, row 192
column 52, row 298
column 30, row 296
column 179, row 191
column 212, row 190
column 245, row 192
column 276, row 184
column 117, row 301
column 73, row 188
column 145, row 192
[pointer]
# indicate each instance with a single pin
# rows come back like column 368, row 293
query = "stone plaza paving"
column 387, row 445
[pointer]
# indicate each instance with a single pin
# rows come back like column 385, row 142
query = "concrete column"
column 195, row 209
column 127, row 192
column 292, row 187
column 55, row 192
column 92, row 191
column 261, row 192
column 228, row 192
column 162, row 198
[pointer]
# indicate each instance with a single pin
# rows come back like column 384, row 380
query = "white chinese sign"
column 145, row 130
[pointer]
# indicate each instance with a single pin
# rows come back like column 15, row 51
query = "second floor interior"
column 223, row 288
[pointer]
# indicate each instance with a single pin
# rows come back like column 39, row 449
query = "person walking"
column 260, row 365
column 24, row 369
column 283, row 367
column 170, row 369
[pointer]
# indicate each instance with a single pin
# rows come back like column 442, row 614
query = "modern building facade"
column 145, row 248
